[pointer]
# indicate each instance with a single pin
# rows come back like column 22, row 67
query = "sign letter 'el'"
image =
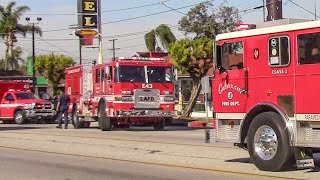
column 87, row 10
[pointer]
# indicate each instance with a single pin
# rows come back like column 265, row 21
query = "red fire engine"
column 122, row 92
column 19, row 104
column 265, row 93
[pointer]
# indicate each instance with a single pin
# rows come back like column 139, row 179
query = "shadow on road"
column 143, row 129
column 240, row 160
column 288, row 169
column 15, row 128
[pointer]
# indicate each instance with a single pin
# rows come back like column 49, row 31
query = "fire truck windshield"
column 137, row 74
column 159, row 74
column 131, row 74
column 25, row 95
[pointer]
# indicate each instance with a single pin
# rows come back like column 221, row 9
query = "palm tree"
column 9, row 27
column 18, row 60
column 164, row 34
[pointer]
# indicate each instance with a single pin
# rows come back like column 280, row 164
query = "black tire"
column 7, row 121
column 104, row 121
column 279, row 152
column 19, row 118
column 77, row 123
column 159, row 126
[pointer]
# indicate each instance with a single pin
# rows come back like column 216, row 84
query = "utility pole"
column 34, row 80
column 264, row 11
column 80, row 49
column 315, row 9
column 100, row 60
column 114, row 48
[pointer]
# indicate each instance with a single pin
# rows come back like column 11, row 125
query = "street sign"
column 29, row 66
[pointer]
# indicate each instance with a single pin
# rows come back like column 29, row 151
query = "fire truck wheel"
column 19, row 118
column 159, row 126
column 104, row 121
column 77, row 123
column 268, row 142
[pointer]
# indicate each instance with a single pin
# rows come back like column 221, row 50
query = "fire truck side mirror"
column 175, row 74
column 108, row 76
column 224, row 75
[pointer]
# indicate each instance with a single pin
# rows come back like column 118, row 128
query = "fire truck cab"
column 19, row 104
column 265, row 93
column 122, row 92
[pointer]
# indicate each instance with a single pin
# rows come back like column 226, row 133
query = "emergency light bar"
column 141, row 59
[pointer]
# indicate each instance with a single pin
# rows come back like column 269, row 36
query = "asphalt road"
column 44, row 152
column 21, row 164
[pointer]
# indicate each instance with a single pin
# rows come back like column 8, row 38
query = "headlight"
column 168, row 98
column 126, row 98
column 29, row 106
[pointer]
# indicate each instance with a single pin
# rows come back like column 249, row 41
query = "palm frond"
column 19, row 11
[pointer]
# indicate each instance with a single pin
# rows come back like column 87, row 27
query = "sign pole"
column 100, row 60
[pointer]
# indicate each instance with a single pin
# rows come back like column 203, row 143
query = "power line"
column 106, row 37
column 133, row 18
column 172, row 8
column 303, row 8
column 148, row 15
column 59, row 48
column 103, row 11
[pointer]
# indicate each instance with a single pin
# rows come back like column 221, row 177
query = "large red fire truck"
column 122, row 92
column 19, row 104
column 265, row 93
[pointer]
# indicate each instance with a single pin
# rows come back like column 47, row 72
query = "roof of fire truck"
column 141, row 60
column 269, row 30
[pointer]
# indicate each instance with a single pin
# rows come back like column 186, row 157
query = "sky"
column 58, row 15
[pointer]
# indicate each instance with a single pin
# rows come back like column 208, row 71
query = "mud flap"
column 303, row 159
column 207, row 136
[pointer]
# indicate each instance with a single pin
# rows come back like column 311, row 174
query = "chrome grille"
column 146, row 98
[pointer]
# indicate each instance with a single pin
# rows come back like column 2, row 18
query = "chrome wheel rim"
column 266, row 142
column 19, row 118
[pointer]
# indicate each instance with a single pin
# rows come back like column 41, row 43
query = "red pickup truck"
column 18, row 104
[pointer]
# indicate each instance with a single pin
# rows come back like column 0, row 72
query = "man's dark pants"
column 63, row 110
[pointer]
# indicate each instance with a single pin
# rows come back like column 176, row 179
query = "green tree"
column 196, row 58
column 164, row 34
column 204, row 20
column 9, row 27
column 52, row 68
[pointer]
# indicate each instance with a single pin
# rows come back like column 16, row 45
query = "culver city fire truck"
column 266, row 93
column 19, row 104
column 122, row 92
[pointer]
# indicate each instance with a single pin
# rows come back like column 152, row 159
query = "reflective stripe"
column 10, row 105
column 308, row 117
column 298, row 117
column 230, row 115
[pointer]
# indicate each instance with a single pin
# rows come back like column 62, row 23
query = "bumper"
column 144, row 113
column 32, row 114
